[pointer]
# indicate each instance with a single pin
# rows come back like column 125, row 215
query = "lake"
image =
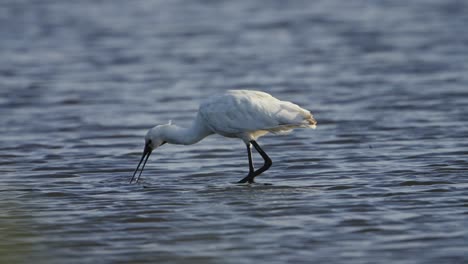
column 381, row 180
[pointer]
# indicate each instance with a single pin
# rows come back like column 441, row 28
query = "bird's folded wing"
column 251, row 112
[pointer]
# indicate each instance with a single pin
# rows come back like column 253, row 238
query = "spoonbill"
column 242, row 114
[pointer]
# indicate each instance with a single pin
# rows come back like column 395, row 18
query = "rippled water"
column 381, row 180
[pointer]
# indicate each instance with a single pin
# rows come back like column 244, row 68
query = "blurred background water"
column 381, row 180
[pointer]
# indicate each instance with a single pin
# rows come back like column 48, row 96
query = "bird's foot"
column 246, row 181
column 249, row 178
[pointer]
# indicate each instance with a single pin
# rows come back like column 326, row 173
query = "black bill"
column 146, row 153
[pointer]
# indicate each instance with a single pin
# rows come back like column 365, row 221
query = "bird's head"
column 153, row 139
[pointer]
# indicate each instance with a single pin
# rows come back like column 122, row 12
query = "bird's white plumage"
column 237, row 113
column 250, row 114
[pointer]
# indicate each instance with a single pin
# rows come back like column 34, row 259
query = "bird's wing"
column 245, row 111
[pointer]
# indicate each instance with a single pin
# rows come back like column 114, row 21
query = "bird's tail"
column 312, row 122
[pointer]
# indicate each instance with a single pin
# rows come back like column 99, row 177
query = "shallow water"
column 381, row 180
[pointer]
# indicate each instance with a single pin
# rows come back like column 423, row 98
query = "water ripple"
column 381, row 179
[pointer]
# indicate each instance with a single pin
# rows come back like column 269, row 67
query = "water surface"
column 381, row 180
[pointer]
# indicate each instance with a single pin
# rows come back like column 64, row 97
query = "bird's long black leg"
column 251, row 167
column 249, row 153
column 265, row 166
column 252, row 174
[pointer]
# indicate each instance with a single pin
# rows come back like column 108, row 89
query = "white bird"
column 242, row 114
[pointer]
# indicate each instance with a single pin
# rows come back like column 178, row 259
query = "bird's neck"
column 187, row 136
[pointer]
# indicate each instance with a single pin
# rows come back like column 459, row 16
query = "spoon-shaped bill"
column 147, row 153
